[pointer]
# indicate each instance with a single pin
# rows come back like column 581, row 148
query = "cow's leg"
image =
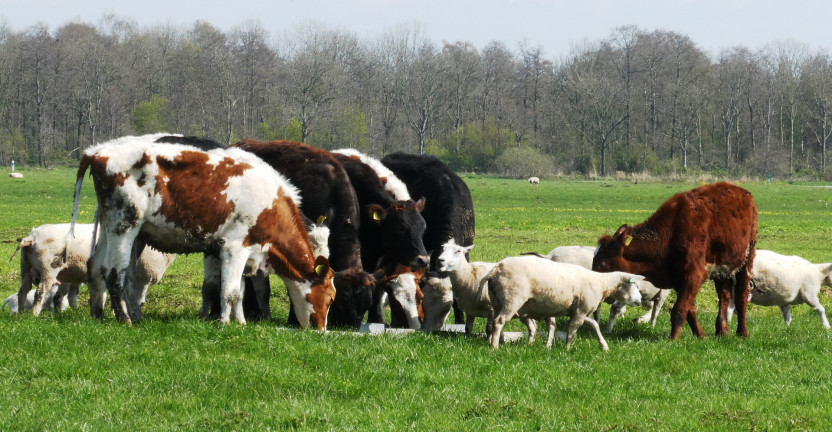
column 261, row 292
column 376, row 312
column 787, row 314
column 469, row 324
column 96, row 274
column 210, row 287
column 135, row 293
column 233, row 264
column 724, row 289
column 741, row 281
column 552, row 327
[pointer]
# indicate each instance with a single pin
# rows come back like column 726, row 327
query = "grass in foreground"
column 174, row 371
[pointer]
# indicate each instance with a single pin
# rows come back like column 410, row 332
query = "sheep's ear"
column 468, row 248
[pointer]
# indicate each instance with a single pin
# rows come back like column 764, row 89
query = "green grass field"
column 176, row 372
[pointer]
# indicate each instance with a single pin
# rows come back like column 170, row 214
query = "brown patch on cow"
column 105, row 183
column 281, row 225
column 184, row 198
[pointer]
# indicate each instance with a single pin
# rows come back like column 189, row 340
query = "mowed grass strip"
column 175, row 371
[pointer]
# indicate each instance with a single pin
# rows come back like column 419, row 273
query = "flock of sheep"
column 532, row 287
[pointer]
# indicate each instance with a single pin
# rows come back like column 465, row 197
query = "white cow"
column 536, row 288
column 781, row 280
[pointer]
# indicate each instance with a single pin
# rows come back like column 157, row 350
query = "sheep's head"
column 452, row 256
column 627, row 290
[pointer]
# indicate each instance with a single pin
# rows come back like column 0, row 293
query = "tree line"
column 637, row 101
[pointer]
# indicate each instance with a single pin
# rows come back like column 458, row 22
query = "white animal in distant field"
column 534, row 180
column 780, row 280
column 652, row 298
column 536, row 288
column 16, row 175
column 48, row 256
column 48, row 297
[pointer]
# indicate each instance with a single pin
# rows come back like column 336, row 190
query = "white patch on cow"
column 394, row 185
column 297, row 293
column 403, row 288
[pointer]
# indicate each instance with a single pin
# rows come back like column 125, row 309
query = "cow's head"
column 452, row 256
column 627, row 291
column 609, row 255
column 313, row 308
column 353, row 299
column 401, row 283
column 402, row 228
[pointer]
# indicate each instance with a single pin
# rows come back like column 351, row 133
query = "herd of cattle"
column 349, row 234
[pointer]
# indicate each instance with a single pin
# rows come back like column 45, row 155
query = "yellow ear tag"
column 319, row 269
column 321, row 220
column 627, row 240
column 376, row 216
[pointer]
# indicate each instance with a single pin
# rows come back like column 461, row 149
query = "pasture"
column 174, row 371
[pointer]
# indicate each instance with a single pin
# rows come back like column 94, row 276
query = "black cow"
column 449, row 210
column 391, row 230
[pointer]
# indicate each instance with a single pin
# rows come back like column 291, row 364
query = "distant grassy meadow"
column 174, row 371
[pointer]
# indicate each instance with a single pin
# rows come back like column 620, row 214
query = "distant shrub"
column 520, row 162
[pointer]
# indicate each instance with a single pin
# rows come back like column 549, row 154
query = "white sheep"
column 466, row 281
column 781, row 280
column 48, row 299
column 49, row 257
column 438, row 299
column 652, row 298
column 535, row 288
column 534, row 180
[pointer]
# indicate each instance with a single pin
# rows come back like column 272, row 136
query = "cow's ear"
column 620, row 231
column 376, row 212
column 420, row 205
column 321, row 266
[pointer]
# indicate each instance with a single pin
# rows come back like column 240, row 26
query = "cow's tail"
column 21, row 243
column 79, row 180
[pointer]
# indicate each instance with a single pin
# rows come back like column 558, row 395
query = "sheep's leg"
column 787, row 313
column 813, row 302
column 27, row 277
column 499, row 322
column 231, row 296
column 591, row 322
column 40, row 292
column 616, row 309
column 575, row 321
column 657, row 307
column 552, row 327
column 531, row 324
column 59, row 302
column 647, row 316
column 73, row 291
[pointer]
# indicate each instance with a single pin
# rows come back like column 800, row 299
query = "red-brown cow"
column 225, row 203
column 708, row 232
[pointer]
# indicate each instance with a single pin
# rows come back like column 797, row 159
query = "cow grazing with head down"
column 224, row 202
column 708, row 232
column 327, row 197
column 449, row 209
column 391, row 228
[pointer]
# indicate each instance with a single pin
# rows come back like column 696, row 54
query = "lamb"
column 438, row 299
column 652, row 298
column 535, row 288
column 780, row 280
column 47, row 299
column 466, row 281
column 48, row 256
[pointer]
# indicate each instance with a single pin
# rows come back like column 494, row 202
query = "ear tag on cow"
column 627, row 240
column 321, row 220
column 376, row 216
column 319, row 269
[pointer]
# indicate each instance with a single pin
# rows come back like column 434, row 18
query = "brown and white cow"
column 226, row 203
column 708, row 232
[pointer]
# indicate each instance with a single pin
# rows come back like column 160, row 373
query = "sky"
column 557, row 26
